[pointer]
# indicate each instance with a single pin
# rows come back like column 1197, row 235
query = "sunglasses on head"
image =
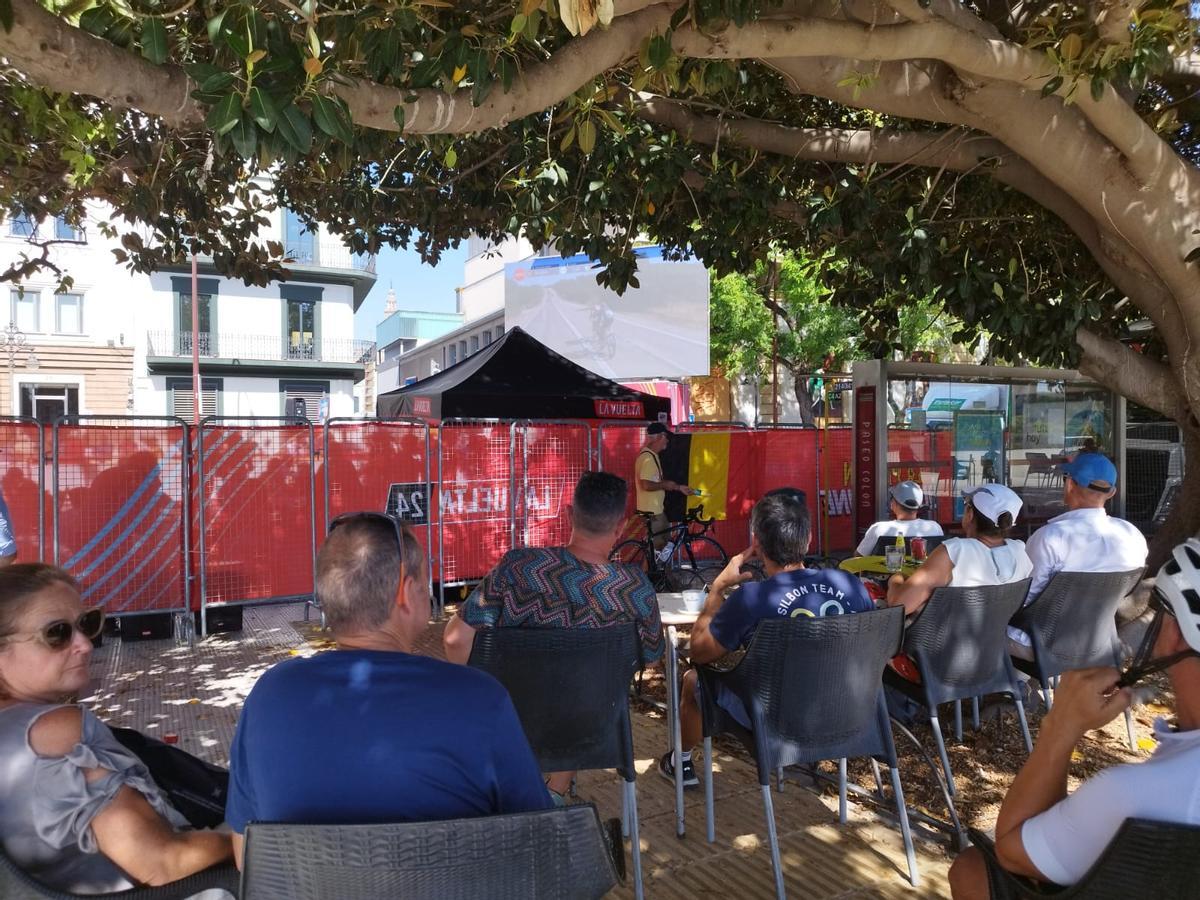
column 57, row 635
column 392, row 524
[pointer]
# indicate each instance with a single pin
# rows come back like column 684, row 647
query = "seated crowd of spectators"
column 377, row 731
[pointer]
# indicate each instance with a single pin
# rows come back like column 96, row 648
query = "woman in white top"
column 985, row 556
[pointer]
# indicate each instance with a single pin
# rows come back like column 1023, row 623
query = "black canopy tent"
column 519, row 377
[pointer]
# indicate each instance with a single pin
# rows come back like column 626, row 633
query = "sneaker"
column 666, row 769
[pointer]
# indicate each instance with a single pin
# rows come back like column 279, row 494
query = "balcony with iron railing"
column 328, row 255
column 243, row 349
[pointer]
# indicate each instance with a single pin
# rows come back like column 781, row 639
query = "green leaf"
column 587, row 136
column 330, row 119
column 97, row 20
column 154, row 41
column 451, row 158
column 1052, row 85
column 568, row 140
column 997, row 289
column 216, row 84
column 223, row 116
column 6, row 14
column 263, row 108
column 1097, row 88
column 214, row 26
column 659, row 52
column 294, row 128
column 398, row 115
column 245, row 137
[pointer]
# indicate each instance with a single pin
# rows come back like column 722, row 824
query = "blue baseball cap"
column 1093, row 471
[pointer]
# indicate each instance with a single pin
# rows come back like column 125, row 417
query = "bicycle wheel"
column 633, row 553
column 695, row 563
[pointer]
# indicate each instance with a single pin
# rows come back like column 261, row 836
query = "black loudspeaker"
column 149, row 627
column 221, row 619
column 297, row 408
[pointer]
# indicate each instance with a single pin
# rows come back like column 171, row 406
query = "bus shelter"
column 952, row 428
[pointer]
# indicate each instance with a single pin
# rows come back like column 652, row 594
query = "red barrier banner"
column 473, row 503
column 548, row 461
column 618, row 447
column 25, row 486
column 788, row 457
column 257, row 511
column 380, row 466
column 836, row 473
column 120, row 492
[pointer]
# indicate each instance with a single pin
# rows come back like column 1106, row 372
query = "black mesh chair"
column 1144, row 859
column 15, row 884
column 931, row 541
column 1073, row 625
column 546, row 854
column 570, row 687
column 959, row 642
column 813, row 691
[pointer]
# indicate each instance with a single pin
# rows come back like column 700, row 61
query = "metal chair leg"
column 779, row 779
column 773, row 840
column 842, row 790
column 941, row 745
column 630, row 801
column 1024, row 724
column 878, row 777
column 958, row 721
column 975, row 713
column 1129, row 729
column 914, row 877
column 709, row 818
column 624, row 815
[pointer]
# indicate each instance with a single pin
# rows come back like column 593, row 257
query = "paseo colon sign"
column 864, row 456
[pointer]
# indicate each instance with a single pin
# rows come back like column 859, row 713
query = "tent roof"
column 518, row 376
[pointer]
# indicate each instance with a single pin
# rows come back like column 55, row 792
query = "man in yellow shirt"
column 651, row 486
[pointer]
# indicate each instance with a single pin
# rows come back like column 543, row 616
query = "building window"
column 68, row 313
column 46, row 402
column 452, row 354
column 300, row 244
column 462, row 349
column 305, row 399
column 474, row 343
column 23, row 310
column 207, row 339
column 65, row 231
column 301, row 329
column 21, row 225
column 499, row 331
column 487, row 337
column 180, row 398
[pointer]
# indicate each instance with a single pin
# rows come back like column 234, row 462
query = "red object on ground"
column 170, row 738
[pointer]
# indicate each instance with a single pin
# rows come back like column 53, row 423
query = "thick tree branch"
column 1145, row 381
column 994, row 59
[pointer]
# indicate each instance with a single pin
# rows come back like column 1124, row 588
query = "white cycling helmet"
column 1178, row 583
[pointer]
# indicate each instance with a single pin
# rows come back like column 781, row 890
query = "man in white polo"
column 905, row 501
column 1083, row 539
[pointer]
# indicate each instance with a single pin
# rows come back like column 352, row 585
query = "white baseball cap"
column 994, row 500
column 908, row 494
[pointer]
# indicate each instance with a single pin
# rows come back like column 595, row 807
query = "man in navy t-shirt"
column 781, row 533
column 370, row 732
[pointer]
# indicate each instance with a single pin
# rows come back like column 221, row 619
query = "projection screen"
column 657, row 330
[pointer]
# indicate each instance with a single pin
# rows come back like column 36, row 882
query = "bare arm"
column 239, row 849
column 705, row 647
column 128, row 830
column 912, row 592
column 1079, row 707
column 457, row 639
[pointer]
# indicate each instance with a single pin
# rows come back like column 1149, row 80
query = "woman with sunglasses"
column 78, row 811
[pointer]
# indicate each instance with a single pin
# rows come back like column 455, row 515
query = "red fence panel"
column 618, row 446
column 788, row 457
column 836, row 474
column 22, row 448
column 473, row 504
column 257, row 515
column 549, row 458
column 378, row 465
column 120, row 505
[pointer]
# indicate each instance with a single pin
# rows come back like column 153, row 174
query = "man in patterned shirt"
column 575, row 586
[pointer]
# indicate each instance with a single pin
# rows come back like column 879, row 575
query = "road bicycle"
column 694, row 560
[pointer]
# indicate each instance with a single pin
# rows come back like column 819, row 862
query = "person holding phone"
column 1048, row 835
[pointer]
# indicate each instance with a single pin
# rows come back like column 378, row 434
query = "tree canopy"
column 1032, row 167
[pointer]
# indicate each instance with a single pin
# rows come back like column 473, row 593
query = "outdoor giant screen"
column 659, row 329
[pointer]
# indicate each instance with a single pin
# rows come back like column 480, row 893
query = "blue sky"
column 417, row 285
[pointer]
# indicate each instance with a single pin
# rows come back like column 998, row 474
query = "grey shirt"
column 47, row 805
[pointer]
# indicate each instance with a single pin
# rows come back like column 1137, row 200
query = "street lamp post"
column 12, row 339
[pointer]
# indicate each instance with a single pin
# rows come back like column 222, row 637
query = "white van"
column 944, row 399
